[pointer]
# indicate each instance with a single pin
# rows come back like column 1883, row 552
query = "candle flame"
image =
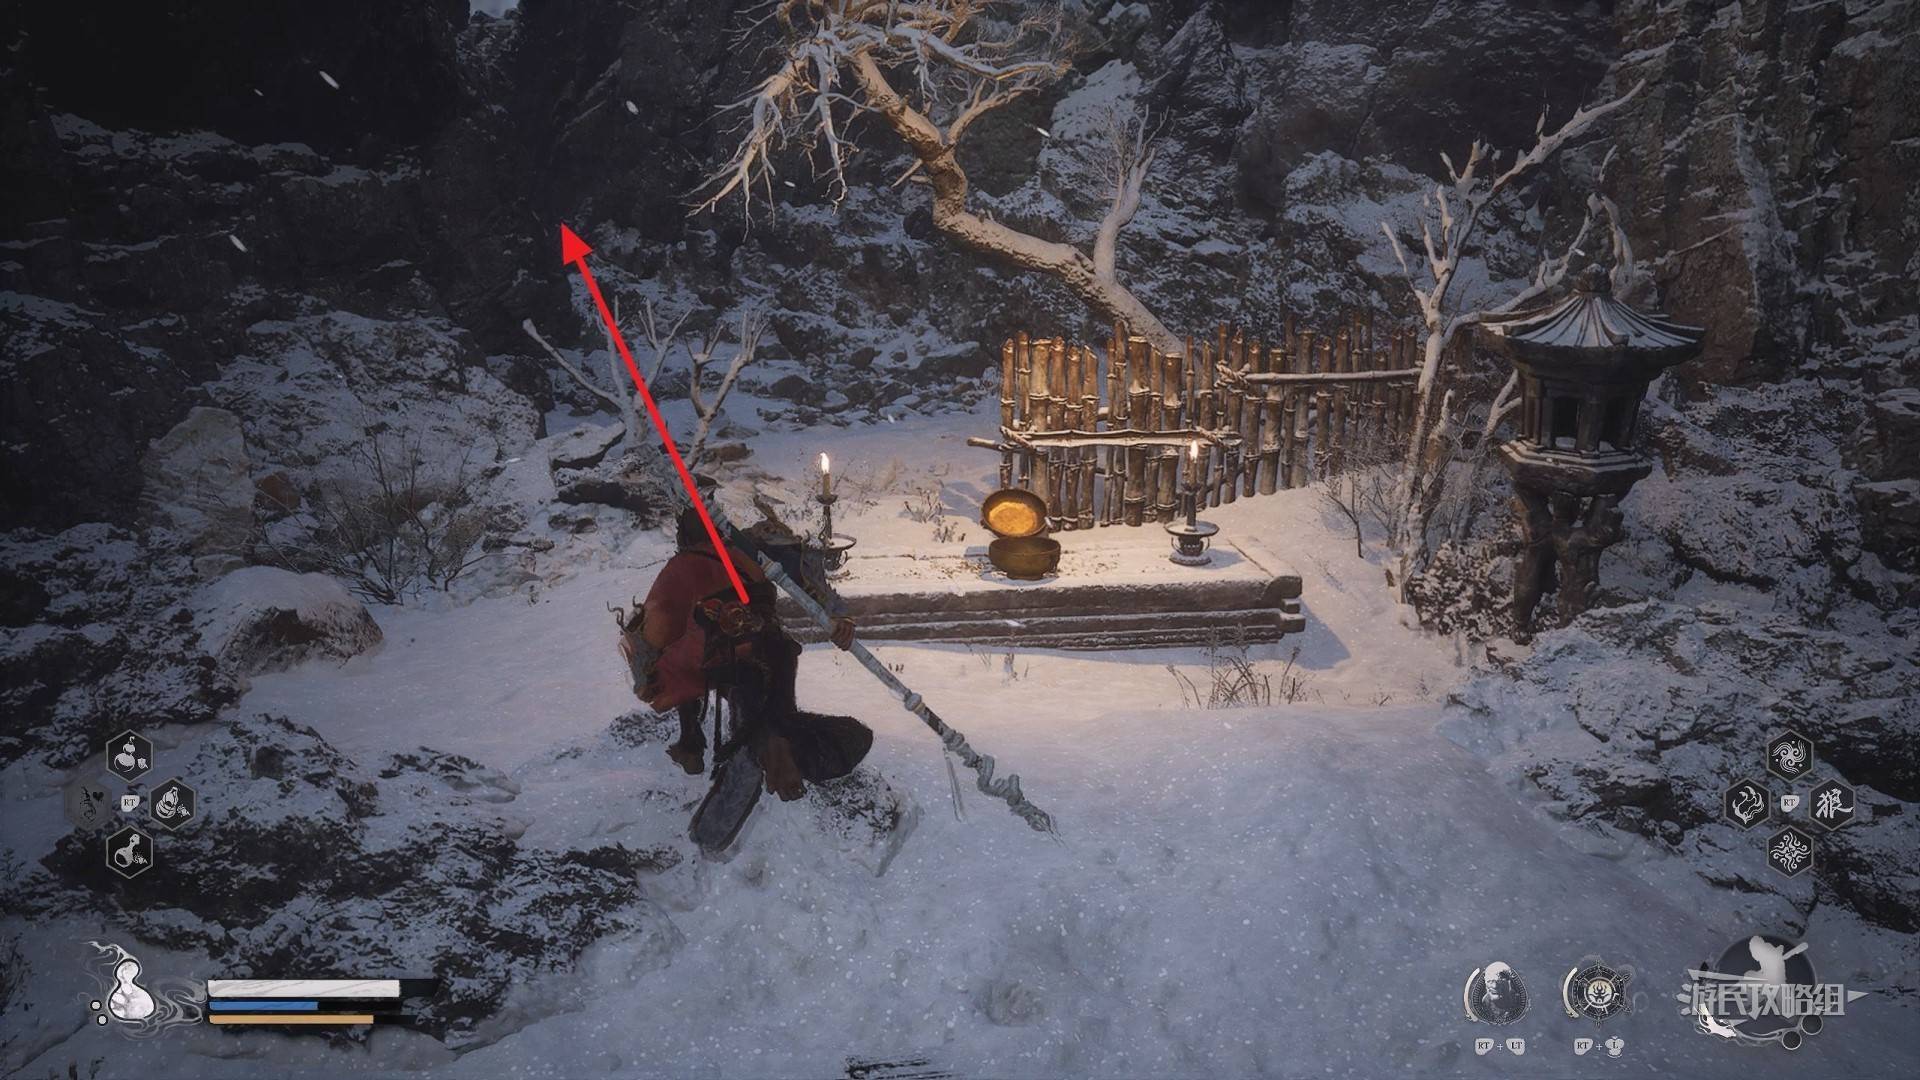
column 823, row 463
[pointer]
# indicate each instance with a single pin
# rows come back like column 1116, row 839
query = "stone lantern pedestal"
column 1584, row 365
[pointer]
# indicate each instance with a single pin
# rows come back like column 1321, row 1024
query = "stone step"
column 1107, row 594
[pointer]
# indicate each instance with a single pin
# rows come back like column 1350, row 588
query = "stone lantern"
column 1584, row 366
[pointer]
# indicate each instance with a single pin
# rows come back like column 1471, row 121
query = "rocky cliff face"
column 404, row 164
column 384, row 245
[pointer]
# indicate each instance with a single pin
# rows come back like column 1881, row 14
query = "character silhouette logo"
column 1762, row 991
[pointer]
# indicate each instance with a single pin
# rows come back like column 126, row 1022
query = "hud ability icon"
column 129, row 755
column 88, row 805
column 1745, row 803
column 129, row 852
column 1762, row 990
column 1494, row 995
column 1831, row 804
column 1790, row 851
column 1789, row 755
column 1594, row 990
column 174, row 804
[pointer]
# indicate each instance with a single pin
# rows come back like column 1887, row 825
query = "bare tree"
column 1365, row 490
column 1450, row 220
column 394, row 524
column 661, row 338
column 707, row 408
column 929, row 70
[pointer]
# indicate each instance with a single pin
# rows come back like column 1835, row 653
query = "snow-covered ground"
column 1291, row 890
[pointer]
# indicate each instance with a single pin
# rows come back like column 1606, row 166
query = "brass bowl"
column 1025, row 557
column 1014, row 512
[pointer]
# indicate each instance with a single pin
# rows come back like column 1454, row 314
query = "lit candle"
column 826, row 476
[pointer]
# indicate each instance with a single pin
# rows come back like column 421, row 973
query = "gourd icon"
column 129, row 1001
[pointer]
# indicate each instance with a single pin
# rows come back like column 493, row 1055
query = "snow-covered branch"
column 752, row 327
column 579, row 376
column 929, row 71
column 1450, row 218
column 1446, row 234
column 1127, row 157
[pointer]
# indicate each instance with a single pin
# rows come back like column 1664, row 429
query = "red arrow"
column 574, row 250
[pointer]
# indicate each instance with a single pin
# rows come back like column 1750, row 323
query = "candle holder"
column 832, row 546
column 1192, row 537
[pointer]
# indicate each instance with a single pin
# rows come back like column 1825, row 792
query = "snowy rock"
column 418, row 866
column 584, row 446
column 1729, row 154
column 1890, row 445
column 462, row 774
column 1752, row 492
column 864, row 815
column 625, row 483
column 105, row 631
column 275, row 496
column 261, row 618
column 1890, row 515
column 1632, row 721
column 199, row 483
column 1011, row 1003
column 1320, row 96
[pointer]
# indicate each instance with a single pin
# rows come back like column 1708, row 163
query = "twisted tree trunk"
column 1097, row 285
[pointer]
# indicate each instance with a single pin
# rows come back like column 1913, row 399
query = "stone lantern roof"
column 1590, row 326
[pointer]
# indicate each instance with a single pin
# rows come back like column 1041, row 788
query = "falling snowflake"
column 632, row 108
column 328, row 79
column 236, row 242
column 1044, row 133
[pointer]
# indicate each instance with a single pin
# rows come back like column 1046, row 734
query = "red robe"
column 687, row 578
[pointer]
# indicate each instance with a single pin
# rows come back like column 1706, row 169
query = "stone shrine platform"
column 1107, row 594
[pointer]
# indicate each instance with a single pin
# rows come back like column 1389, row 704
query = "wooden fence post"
column 1289, row 361
column 1114, row 489
column 1069, row 483
column 1337, row 443
column 1251, row 362
column 1271, row 436
column 1140, row 417
column 1056, row 416
column 1300, row 410
column 1006, row 410
column 1089, row 421
column 1323, row 413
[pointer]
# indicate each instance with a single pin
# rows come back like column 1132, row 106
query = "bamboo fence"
column 1110, row 438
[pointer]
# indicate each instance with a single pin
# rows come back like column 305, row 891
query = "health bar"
column 303, row 988
column 335, row 1019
